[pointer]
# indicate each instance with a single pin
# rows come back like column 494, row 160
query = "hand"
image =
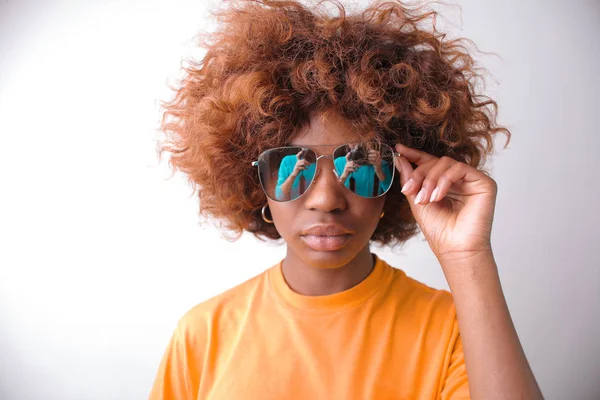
column 457, row 222
column 299, row 167
column 374, row 158
column 349, row 168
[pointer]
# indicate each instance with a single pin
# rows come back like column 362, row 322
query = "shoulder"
column 225, row 307
column 289, row 159
column 425, row 292
column 421, row 311
column 421, row 297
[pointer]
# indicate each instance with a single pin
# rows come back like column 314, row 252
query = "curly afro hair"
column 269, row 65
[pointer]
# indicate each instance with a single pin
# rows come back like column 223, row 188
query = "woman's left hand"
column 457, row 221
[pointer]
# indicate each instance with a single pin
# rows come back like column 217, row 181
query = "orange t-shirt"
column 388, row 337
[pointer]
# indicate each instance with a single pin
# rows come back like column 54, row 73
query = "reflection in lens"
column 365, row 169
column 287, row 172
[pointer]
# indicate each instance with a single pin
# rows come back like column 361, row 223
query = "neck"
column 311, row 280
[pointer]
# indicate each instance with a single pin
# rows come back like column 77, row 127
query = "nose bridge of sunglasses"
column 322, row 163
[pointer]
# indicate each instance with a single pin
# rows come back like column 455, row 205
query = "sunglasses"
column 366, row 169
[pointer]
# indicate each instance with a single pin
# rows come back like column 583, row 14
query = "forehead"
column 325, row 132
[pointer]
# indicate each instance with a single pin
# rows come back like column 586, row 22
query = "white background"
column 101, row 253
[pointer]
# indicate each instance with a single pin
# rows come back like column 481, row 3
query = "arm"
column 496, row 364
column 347, row 167
column 379, row 171
column 377, row 163
column 387, row 178
column 285, row 180
column 289, row 170
column 345, row 176
column 454, row 203
column 286, row 186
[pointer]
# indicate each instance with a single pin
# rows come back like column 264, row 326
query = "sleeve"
column 340, row 165
column 285, row 170
column 456, row 384
column 178, row 376
column 383, row 185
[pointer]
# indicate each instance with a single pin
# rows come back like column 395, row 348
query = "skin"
column 453, row 204
column 373, row 158
column 287, row 185
column 306, row 270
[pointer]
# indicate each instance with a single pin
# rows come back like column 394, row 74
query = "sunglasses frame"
column 261, row 155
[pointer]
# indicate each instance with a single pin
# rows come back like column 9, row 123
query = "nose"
column 326, row 192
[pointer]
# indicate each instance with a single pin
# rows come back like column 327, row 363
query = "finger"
column 428, row 186
column 456, row 173
column 405, row 169
column 446, row 180
column 413, row 155
column 417, row 176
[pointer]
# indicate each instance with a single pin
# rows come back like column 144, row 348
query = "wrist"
column 468, row 266
column 465, row 256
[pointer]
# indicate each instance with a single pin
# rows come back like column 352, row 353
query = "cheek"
column 369, row 210
column 282, row 216
column 370, row 214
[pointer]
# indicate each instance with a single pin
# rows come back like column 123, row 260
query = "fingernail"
column 434, row 194
column 420, row 196
column 408, row 185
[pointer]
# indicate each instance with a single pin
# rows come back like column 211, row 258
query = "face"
column 326, row 202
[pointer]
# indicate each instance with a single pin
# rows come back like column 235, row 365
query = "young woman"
column 331, row 132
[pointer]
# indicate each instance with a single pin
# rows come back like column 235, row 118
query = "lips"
column 327, row 237
column 327, row 230
column 326, row 243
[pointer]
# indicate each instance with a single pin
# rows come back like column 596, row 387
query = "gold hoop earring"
column 269, row 221
column 382, row 213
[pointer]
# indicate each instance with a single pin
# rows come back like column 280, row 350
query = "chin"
column 327, row 259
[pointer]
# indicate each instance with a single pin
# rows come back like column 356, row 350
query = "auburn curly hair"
column 270, row 64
